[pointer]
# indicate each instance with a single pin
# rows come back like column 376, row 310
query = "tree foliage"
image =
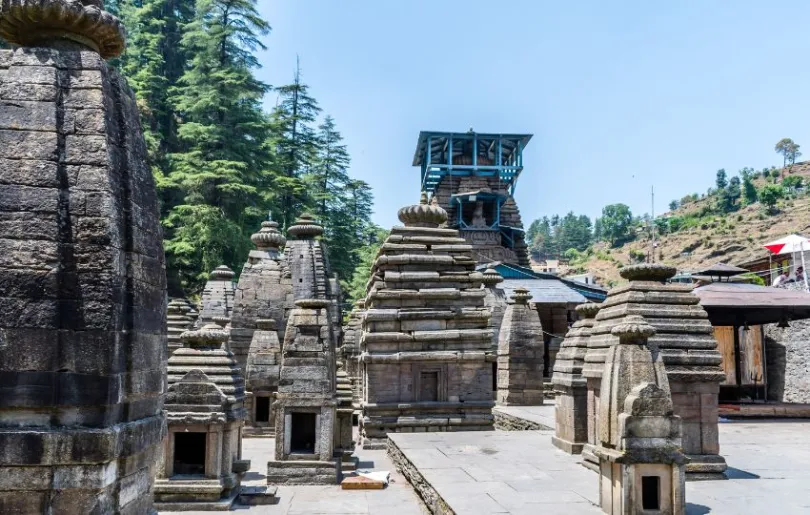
column 617, row 223
column 770, row 194
column 552, row 237
column 221, row 163
column 789, row 150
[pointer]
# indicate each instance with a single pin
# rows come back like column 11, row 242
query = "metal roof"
column 509, row 271
column 544, row 291
column 738, row 303
column 439, row 141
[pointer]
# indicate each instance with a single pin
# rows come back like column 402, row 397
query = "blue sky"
column 620, row 96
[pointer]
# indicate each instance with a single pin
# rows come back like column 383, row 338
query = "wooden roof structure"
column 740, row 304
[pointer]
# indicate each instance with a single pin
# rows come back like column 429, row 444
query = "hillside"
column 733, row 238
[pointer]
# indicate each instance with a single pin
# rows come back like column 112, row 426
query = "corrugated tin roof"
column 544, row 291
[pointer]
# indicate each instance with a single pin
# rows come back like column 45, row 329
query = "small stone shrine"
column 496, row 301
column 261, row 374
column 202, row 467
column 264, row 290
column 217, row 296
column 641, row 466
column 520, row 354
column 351, row 351
column 177, row 322
column 84, row 284
column 690, row 355
column 344, row 441
column 306, row 400
column 571, row 405
column 426, row 346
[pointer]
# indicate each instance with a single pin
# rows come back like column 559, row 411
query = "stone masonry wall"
column 787, row 354
column 82, row 336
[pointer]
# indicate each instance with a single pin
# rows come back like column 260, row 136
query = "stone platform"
column 396, row 499
column 524, row 418
column 521, row 472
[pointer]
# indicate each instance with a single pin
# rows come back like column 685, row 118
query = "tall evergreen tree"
column 222, row 166
column 295, row 143
column 153, row 64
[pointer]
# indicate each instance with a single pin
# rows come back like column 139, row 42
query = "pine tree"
column 222, row 167
column 295, row 143
column 153, row 64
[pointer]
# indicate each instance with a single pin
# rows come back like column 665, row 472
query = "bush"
column 638, row 255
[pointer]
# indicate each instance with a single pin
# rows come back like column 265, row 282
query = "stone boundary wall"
column 431, row 499
column 504, row 422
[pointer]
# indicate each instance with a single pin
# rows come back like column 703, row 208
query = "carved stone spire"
column 39, row 22
column 422, row 214
column 268, row 237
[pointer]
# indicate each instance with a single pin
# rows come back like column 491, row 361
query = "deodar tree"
column 789, row 150
column 221, row 167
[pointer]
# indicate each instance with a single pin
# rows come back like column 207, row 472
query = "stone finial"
column 521, row 295
column 266, row 324
column 422, row 214
column 648, row 272
column 491, row 277
column 632, row 329
column 312, row 303
column 222, row 273
column 37, row 22
column 220, row 320
column 209, row 335
column 268, row 237
column 305, row 228
column 588, row 310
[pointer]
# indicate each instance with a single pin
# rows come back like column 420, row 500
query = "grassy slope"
column 733, row 238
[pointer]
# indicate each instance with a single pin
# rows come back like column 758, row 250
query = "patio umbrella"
column 789, row 245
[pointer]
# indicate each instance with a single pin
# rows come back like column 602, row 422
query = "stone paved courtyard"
column 398, row 499
column 520, row 472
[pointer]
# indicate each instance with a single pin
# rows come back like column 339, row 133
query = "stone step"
column 257, row 495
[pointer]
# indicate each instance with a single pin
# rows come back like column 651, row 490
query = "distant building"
column 586, row 278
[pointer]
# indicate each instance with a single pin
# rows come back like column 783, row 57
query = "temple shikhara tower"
column 426, row 342
column 84, row 286
column 473, row 177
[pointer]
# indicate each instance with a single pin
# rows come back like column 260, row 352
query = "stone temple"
column 520, row 354
column 473, row 177
column 217, row 296
column 426, row 347
column 84, row 285
column 689, row 352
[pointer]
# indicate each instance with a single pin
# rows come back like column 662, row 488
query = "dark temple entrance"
column 262, row 409
column 303, row 433
column 429, row 386
column 189, row 453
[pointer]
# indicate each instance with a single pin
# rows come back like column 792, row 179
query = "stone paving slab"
column 520, row 472
column 397, row 499
column 543, row 414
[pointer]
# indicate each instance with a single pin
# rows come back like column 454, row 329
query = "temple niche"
column 426, row 343
column 472, row 176
column 202, row 467
column 84, row 284
column 641, row 466
column 306, row 402
column 690, row 357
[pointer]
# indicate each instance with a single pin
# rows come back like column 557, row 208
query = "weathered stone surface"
column 639, row 436
column 520, row 354
column 571, row 413
column 82, row 338
column 488, row 245
column 427, row 355
column 218, row 296
column 307, row 390
column 206, row 395
column 689, row 352
column 787, row 355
